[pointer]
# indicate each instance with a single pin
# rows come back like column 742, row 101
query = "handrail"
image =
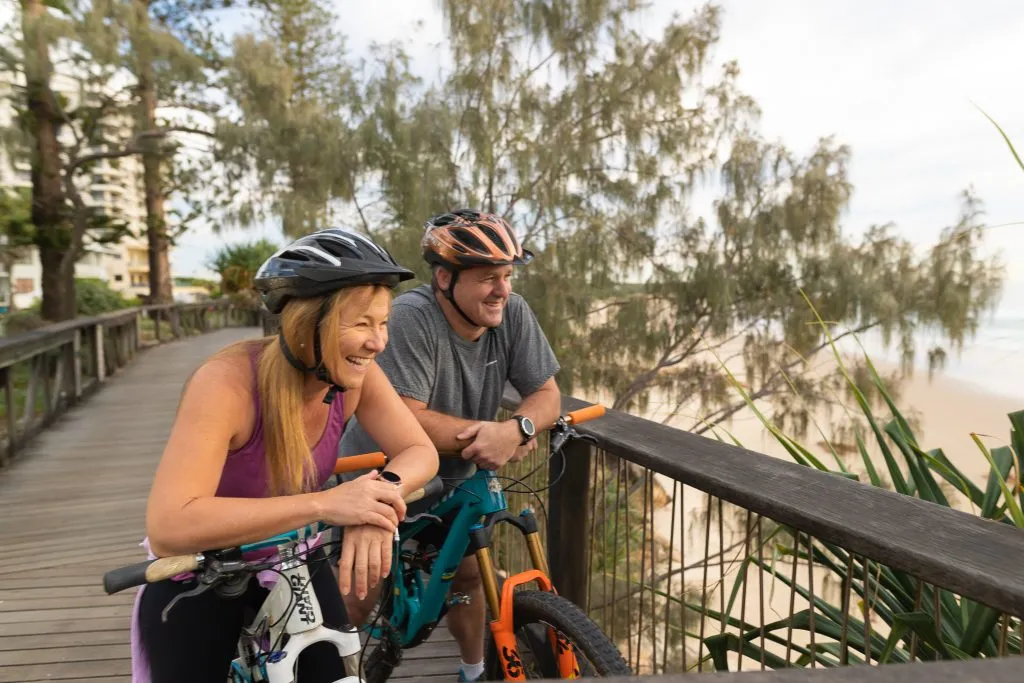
column 975, row 557
column 45, row 371
column 14, row 344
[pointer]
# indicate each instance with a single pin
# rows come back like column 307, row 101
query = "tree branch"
column 362, row 217
column 769, row 388
column 132, row 147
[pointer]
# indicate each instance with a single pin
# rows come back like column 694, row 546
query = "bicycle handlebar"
column 149, row 571
column 584, row 414
column 163, row 568
column 363, row 461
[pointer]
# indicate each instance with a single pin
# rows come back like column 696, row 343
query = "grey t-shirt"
column 426, row 360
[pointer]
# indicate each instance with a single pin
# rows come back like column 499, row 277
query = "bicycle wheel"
column 532, row 613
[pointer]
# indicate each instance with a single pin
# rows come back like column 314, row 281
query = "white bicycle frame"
column 304, row 626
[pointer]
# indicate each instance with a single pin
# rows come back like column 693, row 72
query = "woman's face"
column 362, row 334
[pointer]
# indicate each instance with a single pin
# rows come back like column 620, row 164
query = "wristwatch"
column 526, row 428
column 390, row 477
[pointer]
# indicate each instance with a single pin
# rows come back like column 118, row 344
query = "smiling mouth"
column 493, row 304
column 358, row 361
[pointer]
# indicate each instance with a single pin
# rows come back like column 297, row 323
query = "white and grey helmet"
column 324, row 262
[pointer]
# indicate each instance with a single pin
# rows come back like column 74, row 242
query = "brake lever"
column 216, row 572
column 202, row 587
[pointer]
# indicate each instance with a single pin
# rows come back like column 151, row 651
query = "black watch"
column 526, row 428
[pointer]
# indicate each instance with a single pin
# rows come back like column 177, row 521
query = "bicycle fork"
column 500, row 602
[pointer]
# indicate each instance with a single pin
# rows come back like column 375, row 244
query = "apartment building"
column 115, row 188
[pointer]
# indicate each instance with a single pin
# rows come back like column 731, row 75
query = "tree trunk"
column 58, row 285
column 49, row 215
column 160, row 287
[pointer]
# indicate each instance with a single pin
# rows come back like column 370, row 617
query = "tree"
column 237, row 265
column 44, row 118
column 591, row 138
column 68, row 131
column 284, row 149
column 166, row 69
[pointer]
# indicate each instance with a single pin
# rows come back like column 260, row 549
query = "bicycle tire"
column 544, row 609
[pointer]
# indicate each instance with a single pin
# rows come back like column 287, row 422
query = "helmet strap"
column 450, row 295
column 319, row 370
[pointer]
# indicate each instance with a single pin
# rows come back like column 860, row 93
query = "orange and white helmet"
column 465, row 238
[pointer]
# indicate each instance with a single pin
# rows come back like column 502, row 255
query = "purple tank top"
column 245, row 470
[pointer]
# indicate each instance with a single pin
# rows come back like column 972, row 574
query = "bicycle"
column 289, row 620
column 555, row 629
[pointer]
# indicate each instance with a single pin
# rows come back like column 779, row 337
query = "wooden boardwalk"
column 73, row 506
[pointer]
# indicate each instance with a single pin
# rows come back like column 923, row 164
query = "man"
column 453, row 345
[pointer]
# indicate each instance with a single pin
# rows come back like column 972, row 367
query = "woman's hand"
column 365, row 558
column 366, row 500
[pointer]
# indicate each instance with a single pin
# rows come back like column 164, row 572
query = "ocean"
column 992, row 360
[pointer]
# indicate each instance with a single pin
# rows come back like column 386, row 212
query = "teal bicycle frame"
column 417, row 604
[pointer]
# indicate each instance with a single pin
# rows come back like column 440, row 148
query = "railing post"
column 568, row 515
column 12, row 414
column 101, row 363
column 76, row 364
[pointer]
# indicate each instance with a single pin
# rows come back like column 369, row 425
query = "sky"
column 899, row 83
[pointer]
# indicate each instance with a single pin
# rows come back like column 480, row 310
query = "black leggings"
column 200, row 637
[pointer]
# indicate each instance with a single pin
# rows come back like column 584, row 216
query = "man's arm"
column 543, row 406
column 452, row 434
column 442, row 429
column 496, row 443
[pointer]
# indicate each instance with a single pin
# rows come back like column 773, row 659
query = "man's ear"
column 443, row 277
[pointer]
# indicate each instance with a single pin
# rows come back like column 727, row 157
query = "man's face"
column 482, row 292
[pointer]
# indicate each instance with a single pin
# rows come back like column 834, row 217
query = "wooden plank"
column 58, row 655
column 62, row 672
column 52, row 640
column 60, row 625
column 64, row 602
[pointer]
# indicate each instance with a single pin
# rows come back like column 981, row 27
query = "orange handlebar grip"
column 363, row 461
column 584, row 414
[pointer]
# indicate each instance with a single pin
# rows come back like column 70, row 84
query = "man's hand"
column 494, row 443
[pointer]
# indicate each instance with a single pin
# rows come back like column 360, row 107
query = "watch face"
column 528, row 427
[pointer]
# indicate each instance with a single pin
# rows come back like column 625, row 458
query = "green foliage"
column 26, row 320
column 237, row 265
column 16, row 218
column 93, row 297
column 287, row 146
column 1006, row 139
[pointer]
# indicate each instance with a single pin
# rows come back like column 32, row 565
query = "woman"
column 256, row 437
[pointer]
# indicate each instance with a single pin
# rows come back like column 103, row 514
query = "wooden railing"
column 43, row 372
column 696, row 555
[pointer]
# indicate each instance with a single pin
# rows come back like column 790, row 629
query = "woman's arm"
column 183, row 513
column 387, row 419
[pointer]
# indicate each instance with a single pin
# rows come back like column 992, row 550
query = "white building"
column 115, row 186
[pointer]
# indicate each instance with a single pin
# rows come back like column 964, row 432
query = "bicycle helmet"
column 317, row 265
column 465, row 238
column 325, row 262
